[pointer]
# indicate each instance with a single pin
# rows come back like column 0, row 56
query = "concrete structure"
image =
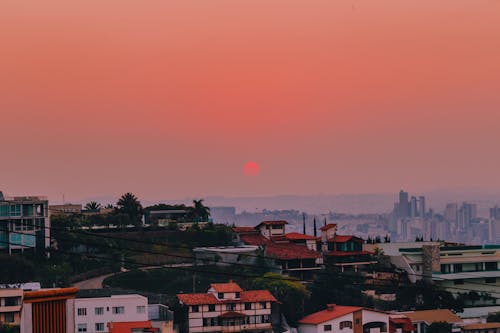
column 94, row 314
column 65, row 209
column 10, row 306
column 228, row 308
column 482, row 328
column 345, row 319
column 48, row 311
column 24, row 223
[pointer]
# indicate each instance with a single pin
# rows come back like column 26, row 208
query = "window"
column 490, row 280
column 211, row 307
column 12, row 301
column 195, row 308
column 327, row 328
column 82, row 327
column 220, row 295
column 9, row 317
column 82, row 312
column 358, row 321
column 263, row 305
column 491, row 266
column 248, row 306
column 118, row 310
column 237, row 295
column 99, row 311
column 99, row 327
column 276, row 227
column 345, row 324
column 140, row 309
column 230, row 307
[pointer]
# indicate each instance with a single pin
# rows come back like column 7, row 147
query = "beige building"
column 11, row 301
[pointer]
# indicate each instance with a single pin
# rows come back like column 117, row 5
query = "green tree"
column 439, row 327
column 16, row 269
column 129, row 204
column 200, row 211
column 291, row 293
column 493, row 317
column 92, row 206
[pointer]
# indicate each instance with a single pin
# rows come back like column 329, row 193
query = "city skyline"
column 169, row 100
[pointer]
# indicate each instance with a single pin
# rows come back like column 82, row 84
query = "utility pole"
column 304, row 223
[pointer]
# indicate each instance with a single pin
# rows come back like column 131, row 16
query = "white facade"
column 355, row 322
column 92, row 315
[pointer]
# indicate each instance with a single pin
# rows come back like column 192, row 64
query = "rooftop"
column 483, row 326
column 298, row 236
column 432, row 316
column 281, row 222
column 245, row 297
column 328, row 226
column 127, row 327
column 229, row 287
column 331, row 312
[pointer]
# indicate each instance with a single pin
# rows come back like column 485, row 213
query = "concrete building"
column 225, row 307
column 94, row 314
column 10, row 306
column 65, row 209
column 345, row 319
column 24, row 223
column 48, row 311
column 403, row 205
column 482, row 328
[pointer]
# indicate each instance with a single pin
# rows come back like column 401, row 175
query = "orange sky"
column 170, row 98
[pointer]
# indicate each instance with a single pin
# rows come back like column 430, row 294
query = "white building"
column 228, row 308
column 345, row 319
column 93, row 314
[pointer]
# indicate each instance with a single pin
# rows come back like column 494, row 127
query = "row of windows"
column 249, row 320
column 99, row 311
column 478, row 267
column 229, row 307
column 24, row 210
column 99, row 327
column 342, row 325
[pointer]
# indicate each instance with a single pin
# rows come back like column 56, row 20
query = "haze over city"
column 171, row 99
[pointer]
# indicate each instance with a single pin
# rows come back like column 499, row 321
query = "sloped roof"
column 254, row 239
column 243, row 229
column 328, row 226
column 432, row 316
column 345, row 238
column 126, row 327
column 245, row 296
column 299, row 236
column 49, row 294
column 483, row 326
column 280, row 222
column 257, row 296
column 405, row 322
column 197, row 299
column 333, row 311
column 290, row 251
column 229, row 287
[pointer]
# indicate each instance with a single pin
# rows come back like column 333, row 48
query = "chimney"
column 331, row 307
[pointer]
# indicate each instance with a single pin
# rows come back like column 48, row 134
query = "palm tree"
column 129, row 204
column 201, row 211
column 93, row 206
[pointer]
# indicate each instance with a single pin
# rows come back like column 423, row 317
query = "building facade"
column 225, row 307
column 10, row 306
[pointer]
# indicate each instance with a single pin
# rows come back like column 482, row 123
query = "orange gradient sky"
column 171, row 98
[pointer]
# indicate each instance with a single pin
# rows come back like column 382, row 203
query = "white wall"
column 129, row 302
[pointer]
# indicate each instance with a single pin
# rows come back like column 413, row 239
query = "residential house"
column 345, row 319
column 482, row 328
column 225, row 307
column 423, row 319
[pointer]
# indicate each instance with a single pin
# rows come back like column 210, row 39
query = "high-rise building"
column 24, row 223
column 421, row 206
column 466, row 214
column 495, row 213
column 403, row 204
column 451, row 213
column 413, row 207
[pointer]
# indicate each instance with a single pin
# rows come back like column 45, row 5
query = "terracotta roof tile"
column 431, row 316
column 243, row 229
column 197, row 299
column 46, row 294
column 298, row 236
column 257, row 296
column 229, row 287
column 328, row 226
column 483, row 326
column 254, row 239
column 330, row 313
column 290, row 251
column 126, row 327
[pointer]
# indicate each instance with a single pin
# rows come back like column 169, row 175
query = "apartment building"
column 345, row 319
column 225, row 307
column 93, row 314
column 10, row 306
column 24, row 223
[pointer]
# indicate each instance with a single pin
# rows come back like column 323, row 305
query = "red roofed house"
column 132, row 327
column 225, row 307
column 345, row 319
column 295, row 254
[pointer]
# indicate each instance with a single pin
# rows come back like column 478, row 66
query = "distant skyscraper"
column 403, row 204
column 421, row 206
column 466, row 214
column 451, row 213
column 495, row 213
column 413, row 207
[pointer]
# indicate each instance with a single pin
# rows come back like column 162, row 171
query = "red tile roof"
column 345, row 238
column 126, row 327
column 243, row 229
column 245, row 296
column 271, row 223
column 49, row 294
column 328, row 226
column 257, row 296
column 229, row 287
column 197, row 299
column 403, row 322
column 231, row 314
column 333, row 311
column 279, row 239
column 254, row 239
column 290, row 251
column 298, row 236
